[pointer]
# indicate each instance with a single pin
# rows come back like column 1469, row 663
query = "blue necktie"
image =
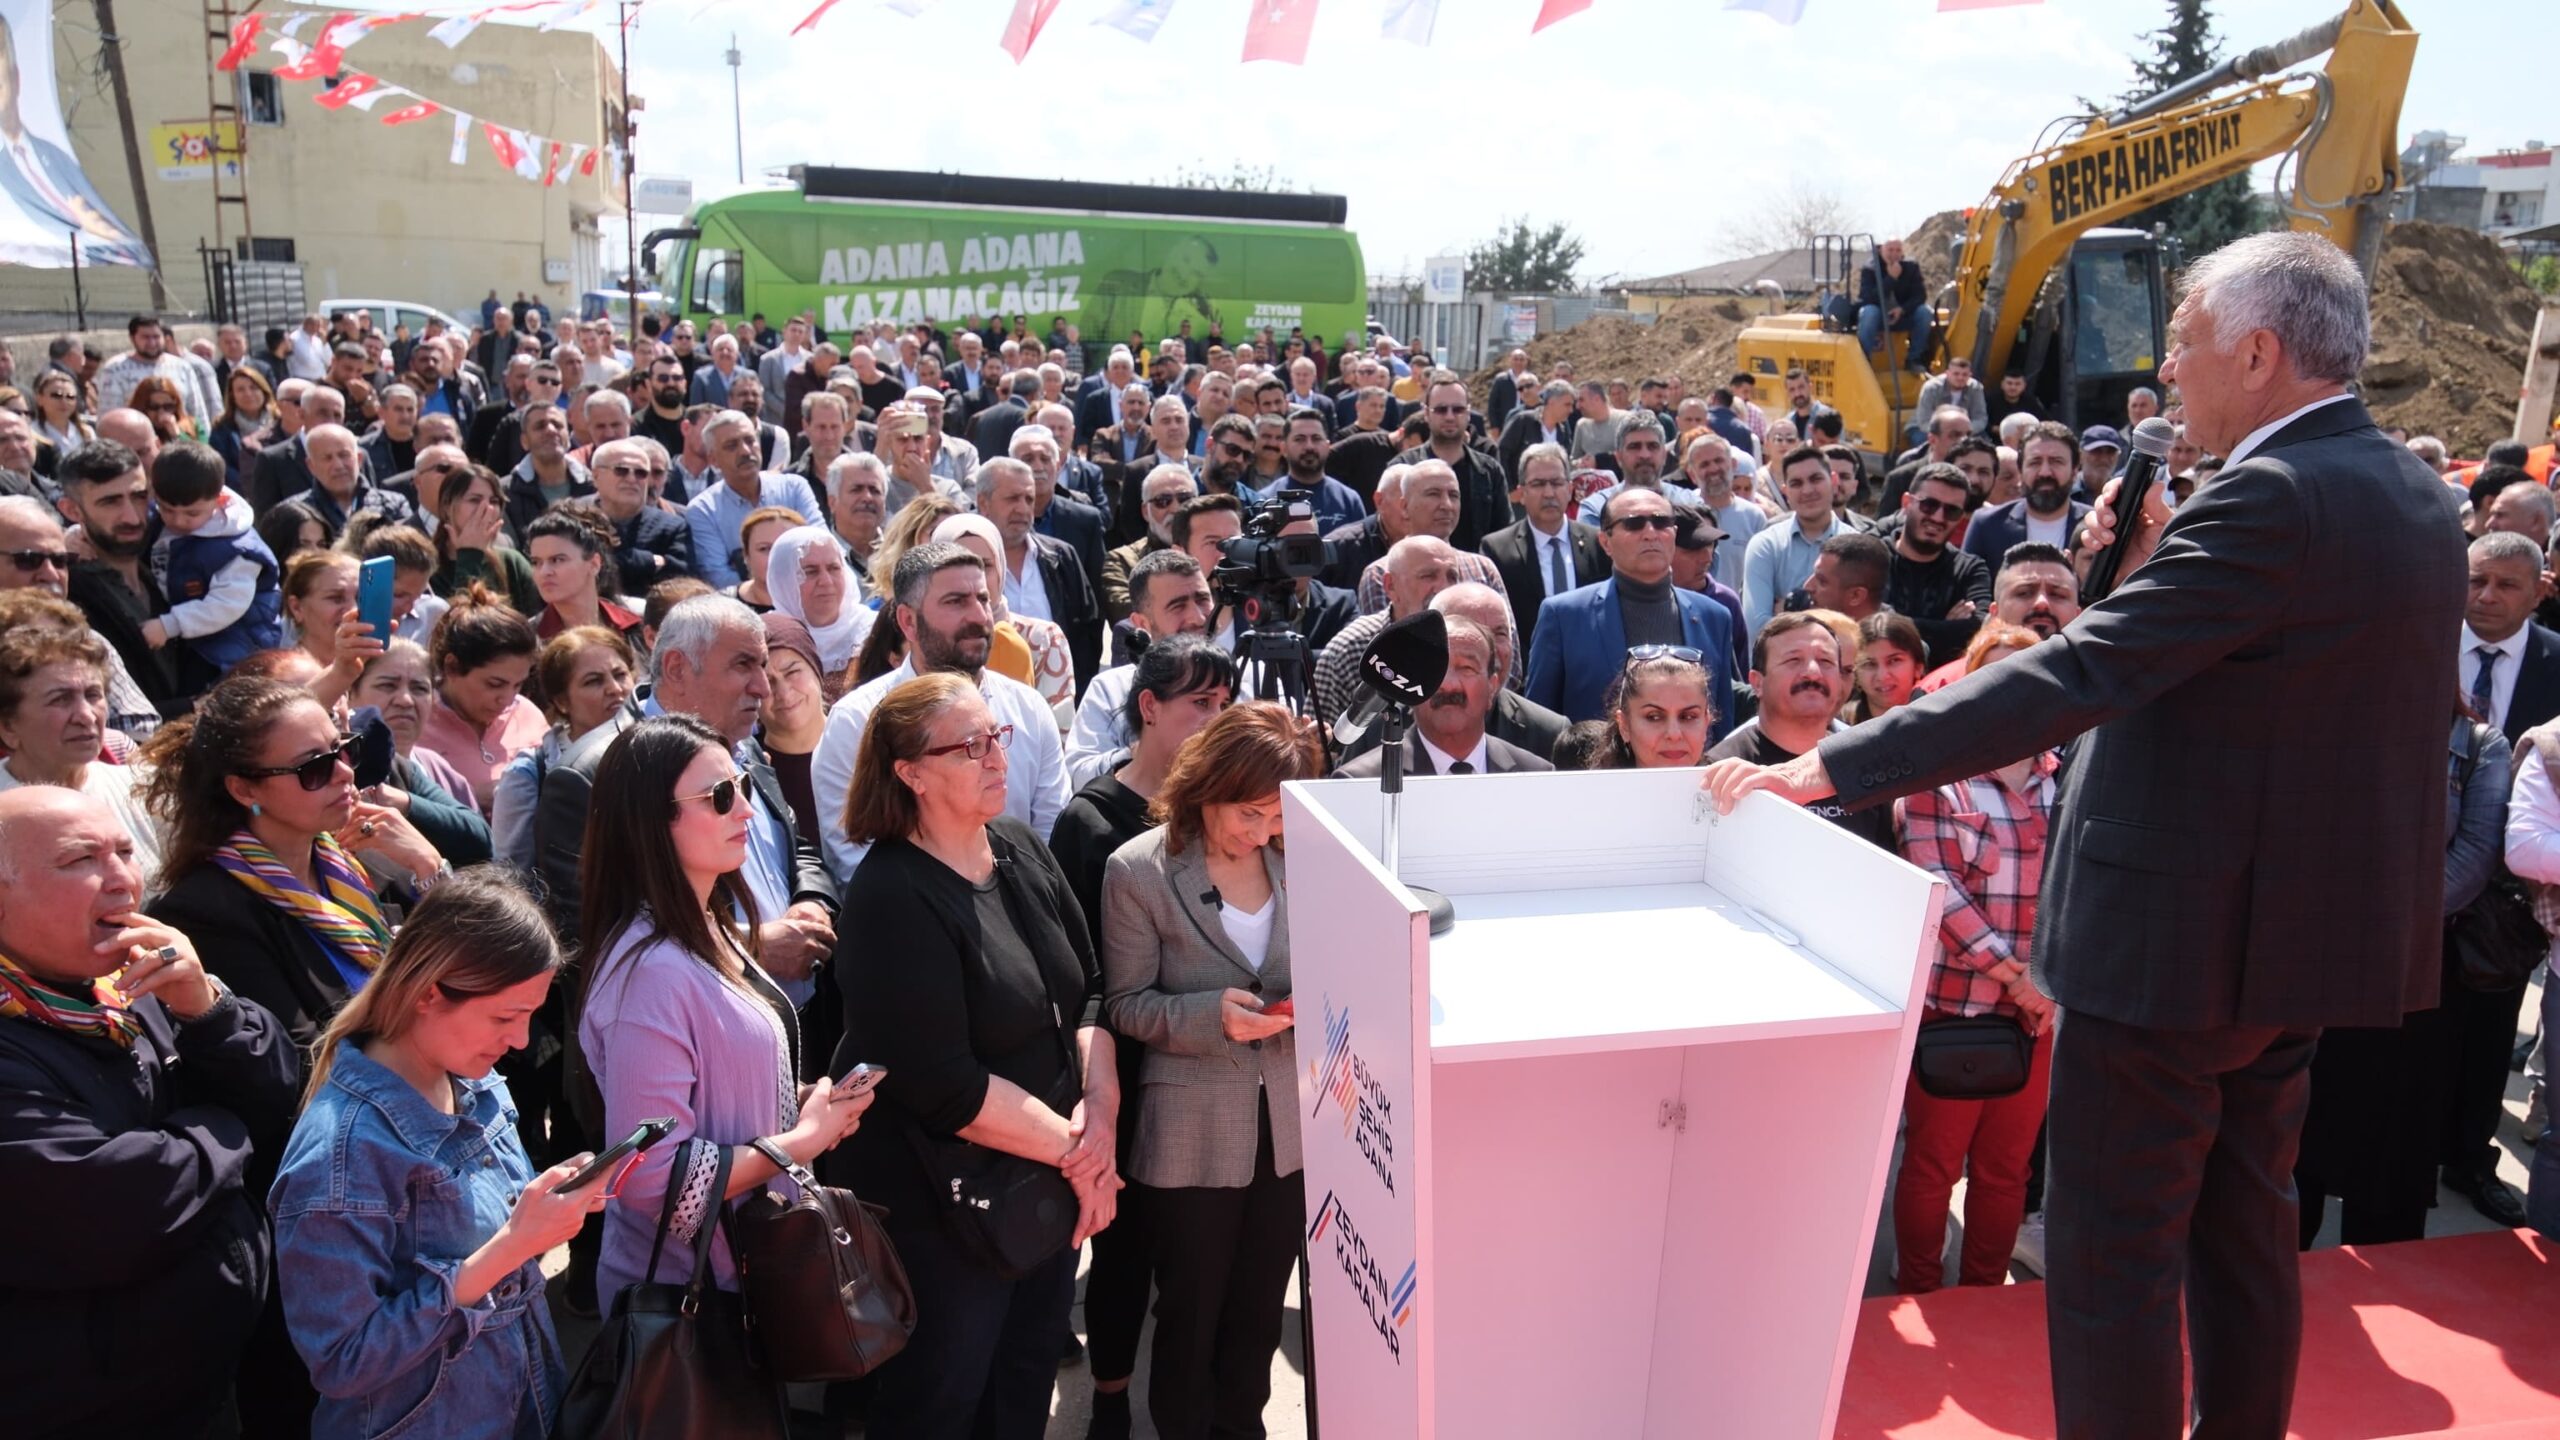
column 2483, row 691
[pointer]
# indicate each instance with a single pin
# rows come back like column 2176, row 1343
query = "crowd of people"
column 753, row 702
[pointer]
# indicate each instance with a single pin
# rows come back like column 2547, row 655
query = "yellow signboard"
column 184, row 150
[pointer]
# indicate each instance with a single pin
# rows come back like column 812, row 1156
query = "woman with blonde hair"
column 756, row 536
column 410, row 1225
column 910, row 527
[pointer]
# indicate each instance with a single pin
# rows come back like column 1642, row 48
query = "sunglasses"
column 1639, row 653
column 625, row 470
column 724, row 797
column 1645, row 522
column 31, row 561
column 1000, row 738
column 1935, row 508
column 316, row 772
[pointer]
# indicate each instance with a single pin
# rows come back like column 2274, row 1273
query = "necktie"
column 2483, row 693
column 1461, row 767
column 1558, row 577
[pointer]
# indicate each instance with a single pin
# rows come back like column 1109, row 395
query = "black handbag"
column 1972, row 1057
column 826, row 1293
column 674, row 1362
column 2492, row 944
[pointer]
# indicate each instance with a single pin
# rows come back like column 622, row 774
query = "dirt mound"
column 1931, row 241
column 2451, row 321
column 1691, row 338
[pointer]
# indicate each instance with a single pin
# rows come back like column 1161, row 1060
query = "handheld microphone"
column 1408, row 660
column 2150, row 441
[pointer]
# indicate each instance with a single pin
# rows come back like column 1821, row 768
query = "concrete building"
column 2500, row 194
column 367, row 210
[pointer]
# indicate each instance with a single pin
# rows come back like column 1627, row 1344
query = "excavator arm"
column 2339, row 128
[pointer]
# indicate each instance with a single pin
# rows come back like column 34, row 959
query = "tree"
column 2211, row 216
column 1786, row 220
column 1521, row 260
column 1261, row 179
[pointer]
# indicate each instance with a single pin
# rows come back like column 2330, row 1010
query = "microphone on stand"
column 2150, row 441
column 1404, row 667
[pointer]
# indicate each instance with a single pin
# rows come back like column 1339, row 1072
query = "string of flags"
column 323, row 57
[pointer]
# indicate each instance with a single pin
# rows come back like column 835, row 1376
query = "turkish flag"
column 588, row 165
column 1278, row 30
column 503, row 142
column 244, row 38
column 411, row 114
column 1020, row 32
column 326, row 56
column 1552, row 11
column 356, row 83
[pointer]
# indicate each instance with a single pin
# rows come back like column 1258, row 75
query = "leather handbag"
column 1972, row 1057
column 826, row 1294
column 2493, row 943
column 674, row 1361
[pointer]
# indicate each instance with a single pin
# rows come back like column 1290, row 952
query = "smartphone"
column 642, row 1136
column 859, row 1079
column 1285, row 1007
column 373, row 597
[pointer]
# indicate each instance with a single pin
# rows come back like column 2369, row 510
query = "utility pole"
column 630, row 220
column 111, row 51
column 737, row 108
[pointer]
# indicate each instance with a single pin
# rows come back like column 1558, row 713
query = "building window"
column 261, row 98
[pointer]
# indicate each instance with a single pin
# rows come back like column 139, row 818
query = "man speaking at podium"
column 2248, row 846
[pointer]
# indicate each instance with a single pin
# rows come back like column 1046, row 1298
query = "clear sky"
column 1648, row 126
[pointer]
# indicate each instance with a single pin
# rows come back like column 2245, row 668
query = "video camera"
column 1258, row 571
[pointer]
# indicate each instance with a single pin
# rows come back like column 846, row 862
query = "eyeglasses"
column 1448, row 409
column 1154, row 502
column 1637, row 654
column 1000, row 738
column 1232, row 451
column 1936, row 508
column 724, row 797
column 625, row 470
column 316, row 772
column 1645, row 522
column 31, row 561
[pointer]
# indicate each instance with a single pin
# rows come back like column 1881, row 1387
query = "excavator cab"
column 2098, row 332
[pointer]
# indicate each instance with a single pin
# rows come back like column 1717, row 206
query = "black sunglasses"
column 1645, row 522
column 31, row 561
column 1935, row 508
column 316, row 772
column 724, row 797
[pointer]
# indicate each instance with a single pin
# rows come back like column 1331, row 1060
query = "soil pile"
column 1691, row 338
column 2451, row 323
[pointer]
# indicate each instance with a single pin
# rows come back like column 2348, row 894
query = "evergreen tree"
column 1521, row 260
column 2213, row 215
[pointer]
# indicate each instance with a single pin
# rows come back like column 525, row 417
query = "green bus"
column 857, row 247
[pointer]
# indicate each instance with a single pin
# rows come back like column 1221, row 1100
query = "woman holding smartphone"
column 678, row 1017
column 410, row 1227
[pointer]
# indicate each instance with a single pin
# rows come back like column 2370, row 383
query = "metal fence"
column 1478, row 329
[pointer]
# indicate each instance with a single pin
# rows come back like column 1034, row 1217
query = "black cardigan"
column 256, row 950
column 920, row 1000
column 131, row 1185
column 1102, row 817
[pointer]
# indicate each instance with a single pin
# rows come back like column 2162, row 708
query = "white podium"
column 1605, row 1159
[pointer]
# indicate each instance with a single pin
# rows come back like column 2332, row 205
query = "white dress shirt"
column 1025, row 591
column 1035, row 766
column 2249, row 443
column 1544, row 549
column 2502, row 680
column 1441, row 760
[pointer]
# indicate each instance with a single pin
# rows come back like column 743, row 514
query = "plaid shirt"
column 1987, row 842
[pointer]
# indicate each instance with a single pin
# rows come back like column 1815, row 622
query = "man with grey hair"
column 709, row 664
column 2432, row 450
column 2220, row 894
column 940, row 601
column 18, row 475
column 710, row 383
column 736, row 449
column 284, row 470
column 2139, row 406
column 1076, row 474
column 858, row 510
column 1166, row 489
column 1042, row 578
column 340, row 488
column 1059, row 514
column 2524, row 508
column 652, row 543
column 391, row 446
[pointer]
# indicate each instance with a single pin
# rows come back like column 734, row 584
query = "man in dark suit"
column 2048, row 462
column 2220, row 891
column 1098, row 404
column 1583, row 635
column 1042, row 577
column 284, row 468
column 1503, row 396
column 1449, row 730
column 1546, row 419
column 993, row 429
column 1547, row 553
column 1058, row 513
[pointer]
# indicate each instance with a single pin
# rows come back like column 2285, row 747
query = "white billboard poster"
column 54, row 207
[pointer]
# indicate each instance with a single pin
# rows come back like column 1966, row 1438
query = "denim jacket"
column 380, row 1201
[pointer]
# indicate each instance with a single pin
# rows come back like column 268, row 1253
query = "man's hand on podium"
column 1796, row 781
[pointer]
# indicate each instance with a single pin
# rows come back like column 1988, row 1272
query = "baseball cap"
column 2101, row 437
column 1696, row 531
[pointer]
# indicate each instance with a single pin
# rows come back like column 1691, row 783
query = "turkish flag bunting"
column 325, row 57
column 1278, row 30
column 509, row 153
column 588, row 165
column 551, row 166
column 1551, row 11
column 411, row 114
column 1029, row 16
column 814, row 16
column 244, row 38
column 356, row 83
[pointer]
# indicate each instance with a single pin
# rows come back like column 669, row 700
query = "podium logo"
column 1390, row 1307
column 1339, row 1075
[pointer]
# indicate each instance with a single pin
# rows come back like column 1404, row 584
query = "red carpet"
column 2451, row 1336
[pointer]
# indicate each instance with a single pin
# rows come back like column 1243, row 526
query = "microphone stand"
column 1396, row 726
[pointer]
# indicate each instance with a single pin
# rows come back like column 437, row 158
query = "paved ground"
column 1286, row 1418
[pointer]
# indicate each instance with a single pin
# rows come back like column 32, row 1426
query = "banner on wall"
column 52, row 204
column 183, row 150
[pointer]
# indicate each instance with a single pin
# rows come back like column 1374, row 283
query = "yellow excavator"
column 2039, row 288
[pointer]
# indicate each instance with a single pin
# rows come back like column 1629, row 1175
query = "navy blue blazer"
column 2000, row 526
column 1581, row 644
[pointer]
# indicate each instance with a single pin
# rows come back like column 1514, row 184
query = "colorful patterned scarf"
column 105, row 1012
column 344, row 917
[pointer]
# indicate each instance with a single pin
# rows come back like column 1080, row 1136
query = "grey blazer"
column 1165, row 958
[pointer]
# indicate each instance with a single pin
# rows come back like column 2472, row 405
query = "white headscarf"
column 840, row 642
